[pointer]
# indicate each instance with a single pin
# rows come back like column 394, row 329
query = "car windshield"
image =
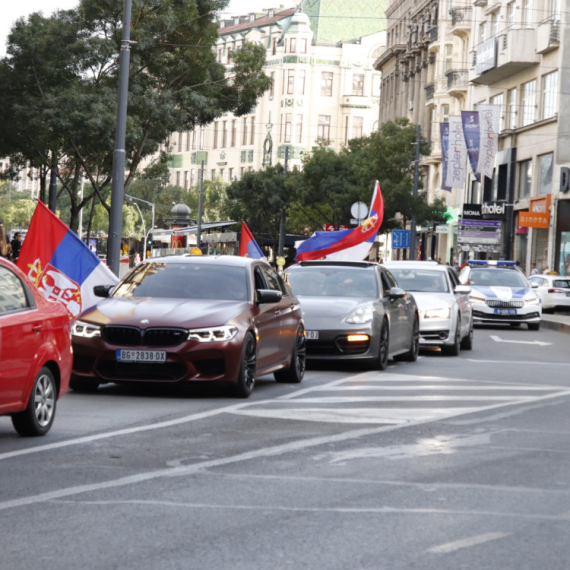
column 185, row 281
column 497, row 278
column 562, row 283
column 330, row 281
column 420, row 280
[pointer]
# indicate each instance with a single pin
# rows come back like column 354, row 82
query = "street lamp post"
column 151, row 204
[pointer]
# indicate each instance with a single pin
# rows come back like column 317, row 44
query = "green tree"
column 58, row 86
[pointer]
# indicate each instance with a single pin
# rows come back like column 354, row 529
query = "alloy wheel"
column 44, row 400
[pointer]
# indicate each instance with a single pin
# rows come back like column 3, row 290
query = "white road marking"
column 342, row 400
column 536, row 342
column 523, row 362
column 435, row 387
column 467, row 542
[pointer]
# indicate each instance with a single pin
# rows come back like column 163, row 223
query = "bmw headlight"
column 442, row 313
column 531, row 301
column 212, row 334
column 474, row 299
column 360, row 316
column 85, row 330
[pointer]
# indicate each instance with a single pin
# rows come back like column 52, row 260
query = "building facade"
column 324, row 90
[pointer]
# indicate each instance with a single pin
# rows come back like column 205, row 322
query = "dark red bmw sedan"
column 191, row 318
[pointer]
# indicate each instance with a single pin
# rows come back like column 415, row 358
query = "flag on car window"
column 346, row 245
column 248, row 246
column 61, row 266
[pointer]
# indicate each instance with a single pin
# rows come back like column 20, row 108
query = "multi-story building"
column 425, row 78
column 324, row 89
column 519, row 47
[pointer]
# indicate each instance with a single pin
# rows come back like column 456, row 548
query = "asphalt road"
column 446, row 463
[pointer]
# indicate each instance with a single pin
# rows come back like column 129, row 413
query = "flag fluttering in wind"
column 61, row 266
column 346, row 245
column 248, row 246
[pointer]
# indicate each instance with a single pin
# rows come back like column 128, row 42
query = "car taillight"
column 552, row 290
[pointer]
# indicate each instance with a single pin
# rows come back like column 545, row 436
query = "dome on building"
column 180, row 211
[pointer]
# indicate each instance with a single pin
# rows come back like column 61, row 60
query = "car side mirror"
column 534, row 285
column 462, row 290
column 397, row 293
column 268, row 296
column 102, row 290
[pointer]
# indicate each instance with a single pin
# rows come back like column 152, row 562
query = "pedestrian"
column 3, row 241
column 534, row 270
column 137, row 258
column 15, row 246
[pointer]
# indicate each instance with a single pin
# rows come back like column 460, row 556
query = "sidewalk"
column 557, row 321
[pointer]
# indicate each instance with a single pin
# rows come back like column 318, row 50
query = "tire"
column 296, row 370
column 381, row 361
column 246, row 379
column 39, row 414
column 467, row 342
column 412, row 354
column 533, row 326
column 83, row 386
column 453, row 349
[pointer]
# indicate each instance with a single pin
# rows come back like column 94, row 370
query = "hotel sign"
column 486, row 56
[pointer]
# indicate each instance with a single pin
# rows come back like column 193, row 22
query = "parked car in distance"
column 355, row 311
column 500, row 293
column 446, row 318
column 35, row 353
column 224, row 319
column 553, row 290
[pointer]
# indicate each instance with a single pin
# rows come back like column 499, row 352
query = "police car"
column 500, row 293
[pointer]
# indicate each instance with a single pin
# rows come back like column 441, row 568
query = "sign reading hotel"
column 538, row 215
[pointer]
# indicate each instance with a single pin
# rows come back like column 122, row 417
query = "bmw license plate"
column 312, row 335
column 141, row 355
column 505, row 312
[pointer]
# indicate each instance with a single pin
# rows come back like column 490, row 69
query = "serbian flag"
column 60, row 265
column 346, row 245
column 248, row 246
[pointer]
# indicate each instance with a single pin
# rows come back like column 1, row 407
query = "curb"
column 555, row 325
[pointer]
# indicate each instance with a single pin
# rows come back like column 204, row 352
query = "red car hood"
column 182, row 313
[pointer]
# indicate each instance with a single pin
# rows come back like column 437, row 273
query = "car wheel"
column 467, row 342
column 381, row 361
column 412, row 354
column 453, row 349
column 246, row 379
column 296, row 370
column 533, row 326
column 38, row 416
column 83, row 386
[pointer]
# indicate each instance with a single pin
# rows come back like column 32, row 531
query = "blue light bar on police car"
column 475, row 262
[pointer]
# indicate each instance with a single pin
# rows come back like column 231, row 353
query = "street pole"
column 200, row 201
column 416, row 185
column 282, row 225
column 53, row 183
column 118, row 175
column 81, row 210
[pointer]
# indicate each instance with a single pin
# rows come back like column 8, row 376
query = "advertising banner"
column 456, row 167
column 486, row 56
column 489, row 124
column 472, row 138
column 480, row 235
column 444, row 134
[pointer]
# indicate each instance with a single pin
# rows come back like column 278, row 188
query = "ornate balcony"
column 461, row 17
column 430, row 91
column 457, row 82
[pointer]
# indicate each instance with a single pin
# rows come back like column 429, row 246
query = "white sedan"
column 446, row 318
column 553, row 290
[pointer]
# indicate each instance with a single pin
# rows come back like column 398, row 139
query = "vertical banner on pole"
column 444, row 136
column 472, row 138
column 457, row 167
column 489, row 123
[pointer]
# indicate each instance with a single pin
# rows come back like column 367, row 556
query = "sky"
column 11, row 11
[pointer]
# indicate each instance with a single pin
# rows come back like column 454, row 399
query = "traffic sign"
column 400, row 239
column 359, row 210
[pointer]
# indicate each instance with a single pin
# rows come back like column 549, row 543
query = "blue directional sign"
column 400, row 239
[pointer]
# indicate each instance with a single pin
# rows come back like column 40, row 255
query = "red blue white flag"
column 346, row 245
column 61, row 266
column 248, row 246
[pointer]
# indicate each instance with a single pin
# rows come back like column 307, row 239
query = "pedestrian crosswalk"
column 396, row 399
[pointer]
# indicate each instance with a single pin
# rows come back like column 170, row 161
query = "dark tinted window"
column 391, row 279
column 453, row 277
column 497, row 278
column 330, row 281
column 421, row 280
column 185, row 281
column 12, row 293
column 562, row 283
column 270, row 278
